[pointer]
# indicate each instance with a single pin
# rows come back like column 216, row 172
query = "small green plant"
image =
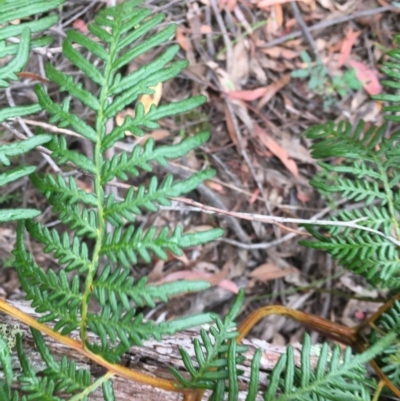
column 321, row 83
column 102, row 241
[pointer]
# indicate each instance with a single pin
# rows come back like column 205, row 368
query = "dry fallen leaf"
column 216, row 279
column 248, row 95
column 154, row 98
column 273, row 89
column 240, row 68
column 147, row 101
column 280, row 52
column 229, row 4
column 270, row 271
column 347, row 45
column 181, row 38
column 81, row 26
column 368, row 77
column 276, row 150
column 268, row 3
column 205, row 29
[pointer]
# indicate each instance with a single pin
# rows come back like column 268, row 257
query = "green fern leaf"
column 141, row 157
column 82, row 221
column 335, row 377
column 60, row 150
column 73, row 255
column 18, row 148
column 214, row 365
column 66, row 190
column 117, row 287
column 36, row 388
column 65, row 375
column 62, row 116
column 7, row 368
column 123, row 246
column 147, row 197
column 18, row 111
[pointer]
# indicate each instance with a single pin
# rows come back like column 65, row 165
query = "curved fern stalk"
column 117, row 36
column 12, row 10
column 336, row 376
column 389, row 360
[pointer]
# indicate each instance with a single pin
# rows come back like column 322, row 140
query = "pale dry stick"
column 52, row 128
column 29, row 132
column 225, row 36
column 327, row 23
column 242, row 19
column 77, row 15
column 209, row 39
column 304, row 28
column 215, row 200
column 283, row 220
column 165, row 6
column 276, row 219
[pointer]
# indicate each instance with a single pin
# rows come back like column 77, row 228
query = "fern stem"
column 92, row 387
column 100, row 125
column 343, row 334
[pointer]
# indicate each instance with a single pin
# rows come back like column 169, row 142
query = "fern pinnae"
column 141, row 156
column 333, row 378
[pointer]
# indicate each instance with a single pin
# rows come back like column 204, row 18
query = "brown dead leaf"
column 204, row 29
column 270, row 271
column 278, row 15
column 81, row 26
column 367, row 76
column 229, row 4
column 276, row 150
column 273, row 89
column 32, row 75
column 157, row 272
column 240, row 68
column 181, row 38
column 120, row 117
column 265, row 4
column 347, row 45
column 230, row 126
column 147, row 101
column 216, row 279
column 248, row 95
column 154, row 98
column 157, row 134
column 280, row 52
column 215, row 186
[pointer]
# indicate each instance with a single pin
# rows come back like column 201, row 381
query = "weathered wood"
column 153, row 358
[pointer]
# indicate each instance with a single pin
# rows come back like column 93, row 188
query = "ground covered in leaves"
column 270, row 69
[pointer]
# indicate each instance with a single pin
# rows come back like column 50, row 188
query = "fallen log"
column 153, row 358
